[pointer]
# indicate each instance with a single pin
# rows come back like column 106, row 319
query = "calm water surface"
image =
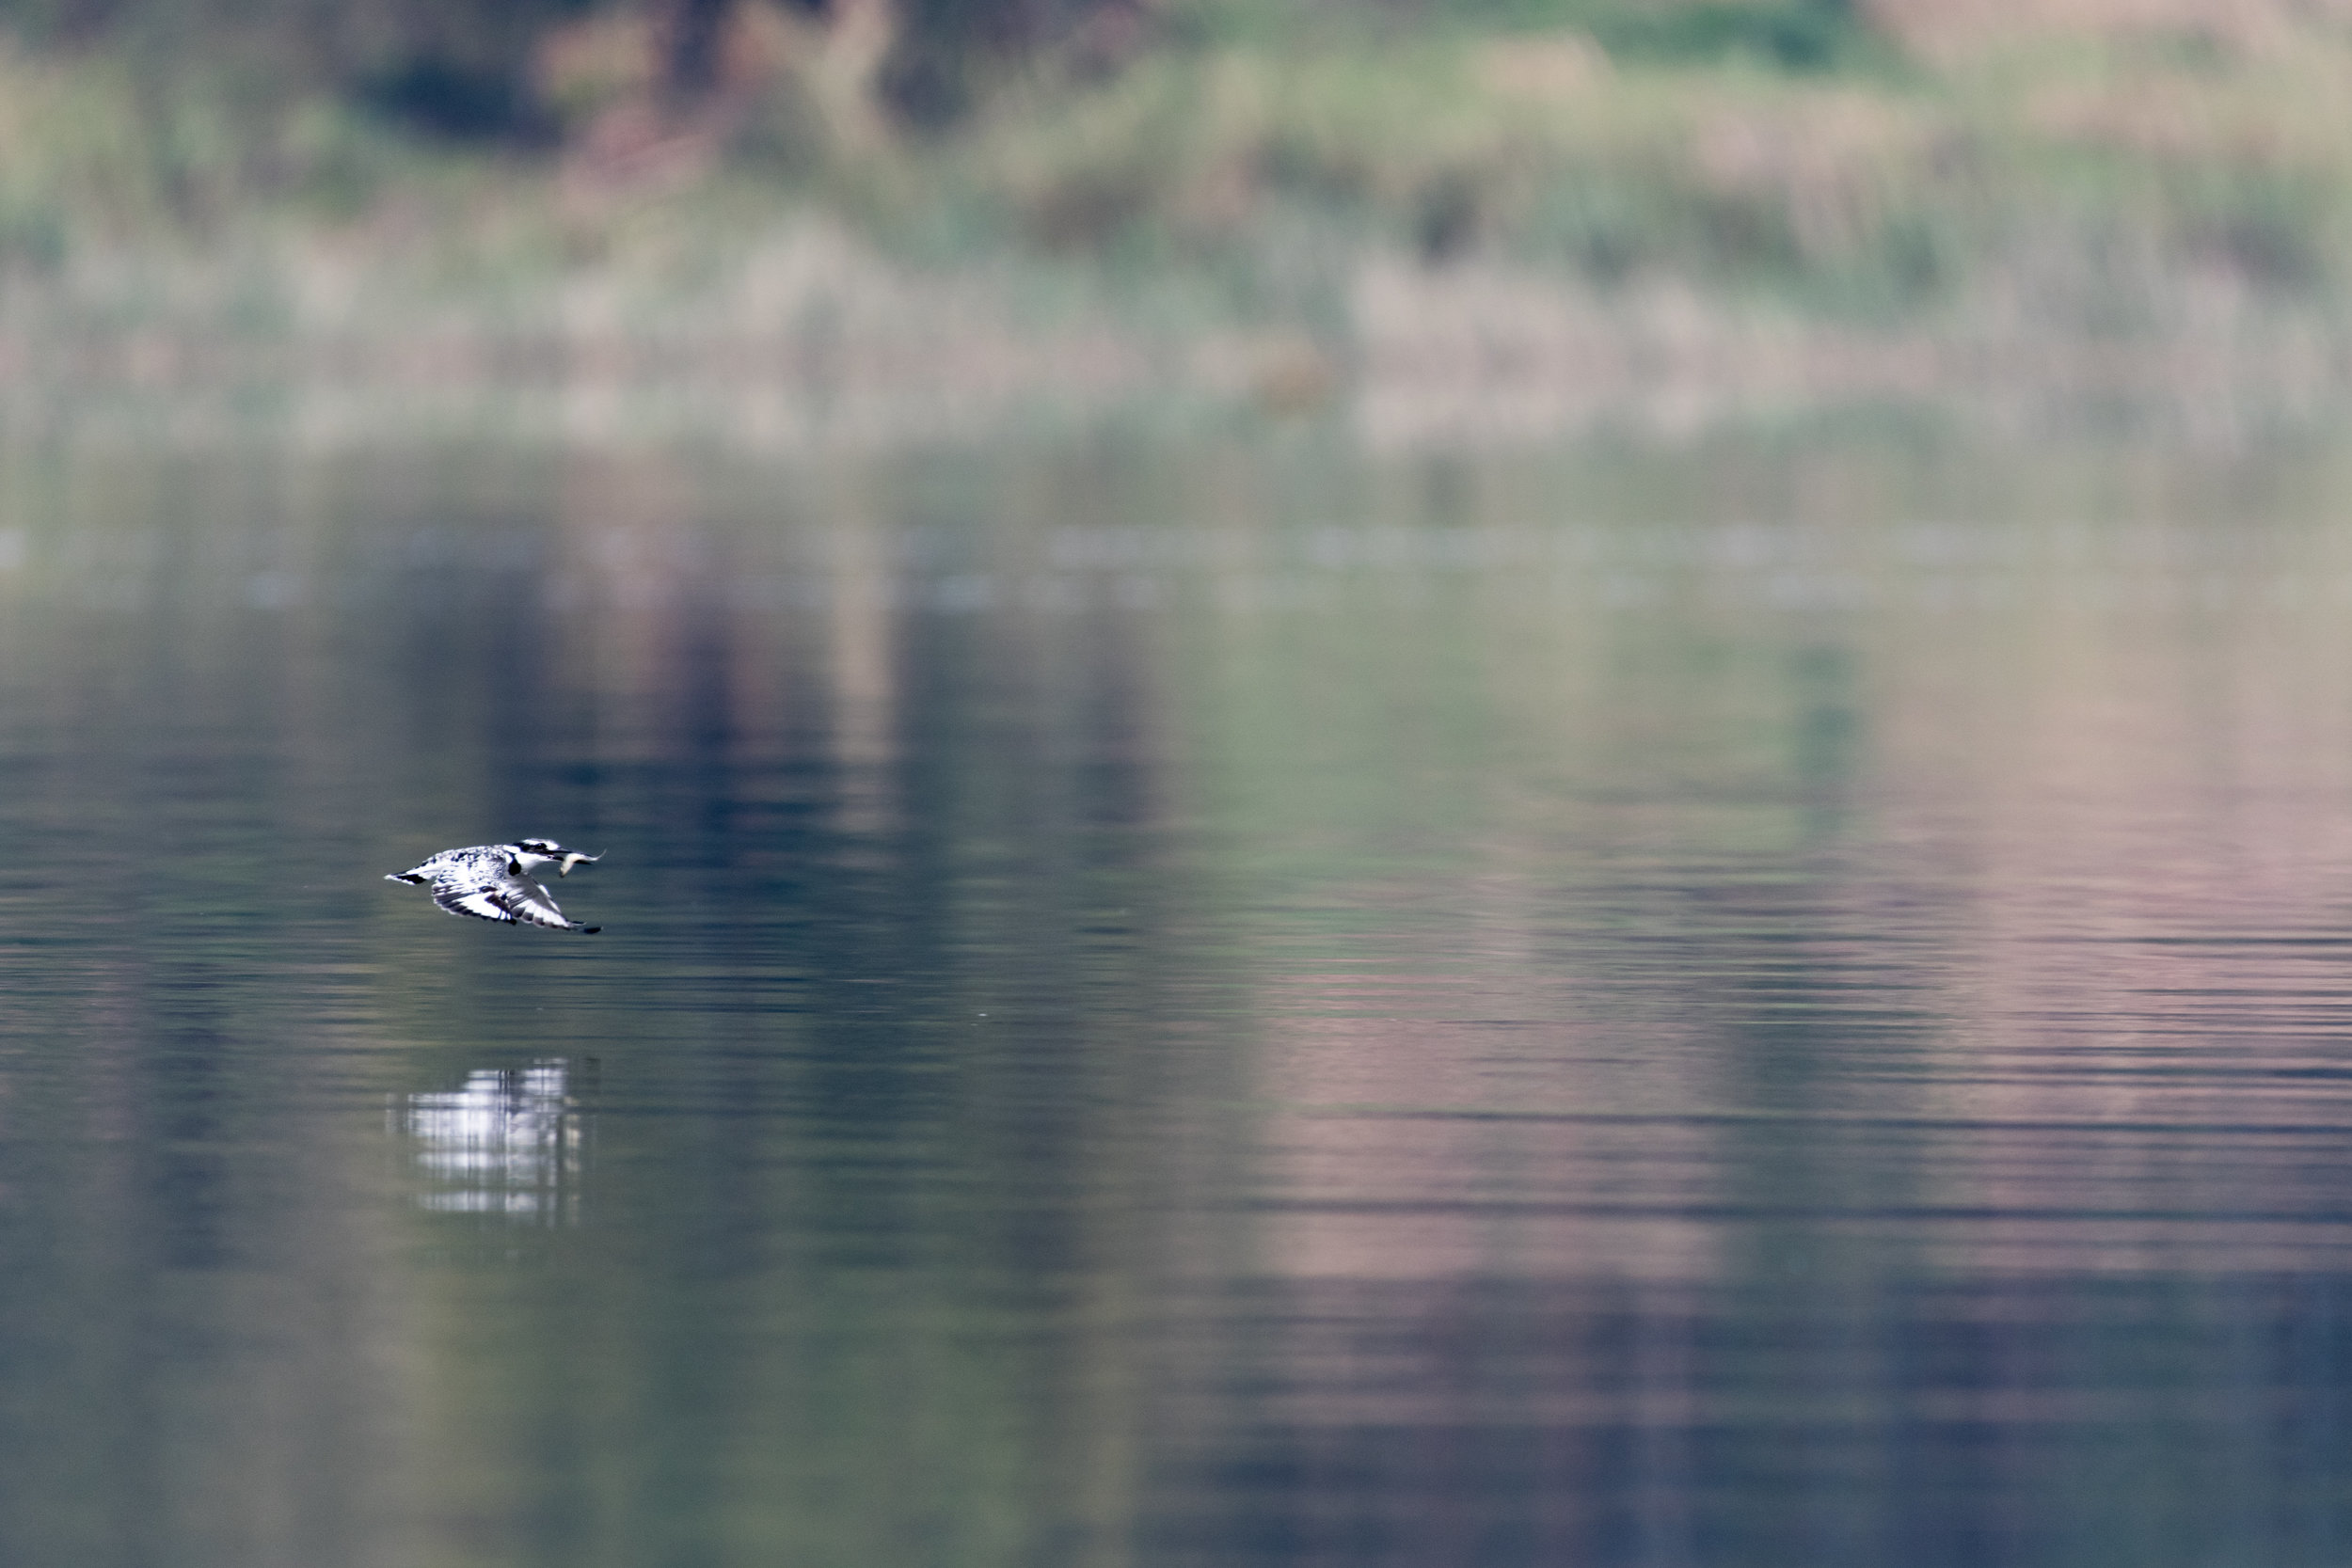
column 1770, row 1003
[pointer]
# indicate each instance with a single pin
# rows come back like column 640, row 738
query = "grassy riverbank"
column 1264, row 201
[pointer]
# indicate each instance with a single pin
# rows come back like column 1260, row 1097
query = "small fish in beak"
column 572, row 857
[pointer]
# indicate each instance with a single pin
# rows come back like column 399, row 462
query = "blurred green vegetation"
column 1246, row 155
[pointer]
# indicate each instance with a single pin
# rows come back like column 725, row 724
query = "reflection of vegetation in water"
column 989, row 824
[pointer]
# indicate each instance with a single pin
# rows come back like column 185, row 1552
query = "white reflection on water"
column 509, row 1142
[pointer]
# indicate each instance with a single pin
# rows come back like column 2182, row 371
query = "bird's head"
column 535, row 852
column 532, row 853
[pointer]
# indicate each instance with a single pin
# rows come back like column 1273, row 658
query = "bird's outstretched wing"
column 507, row 897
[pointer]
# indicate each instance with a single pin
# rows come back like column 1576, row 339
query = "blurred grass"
column 1886, row 192
column 1320, row 186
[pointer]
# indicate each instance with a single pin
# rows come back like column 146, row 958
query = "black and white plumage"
column 492, row 882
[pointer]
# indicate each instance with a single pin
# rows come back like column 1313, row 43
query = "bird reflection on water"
column 509, row 1142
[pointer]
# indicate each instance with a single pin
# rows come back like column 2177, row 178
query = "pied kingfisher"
column 491, row 882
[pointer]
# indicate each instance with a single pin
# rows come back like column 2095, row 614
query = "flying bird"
column 492, row 882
